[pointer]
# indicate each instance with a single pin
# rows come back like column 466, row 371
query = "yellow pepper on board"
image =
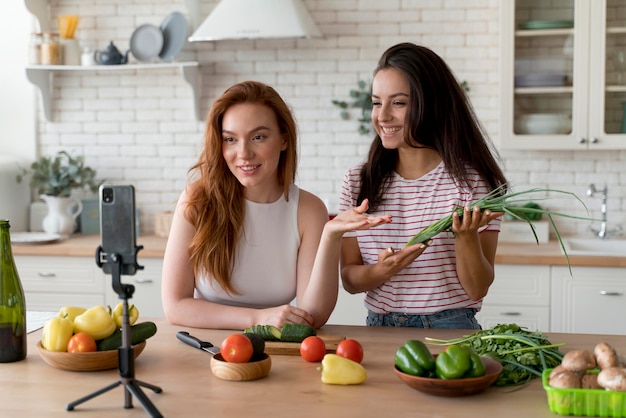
column 56, row 334
column 71, row 312
column 133, row 314
column 337, row 370
column 95, row 321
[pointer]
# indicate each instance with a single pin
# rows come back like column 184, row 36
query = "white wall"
column 139, row 128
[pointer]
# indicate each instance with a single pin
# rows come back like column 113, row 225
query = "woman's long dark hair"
column 439, row 116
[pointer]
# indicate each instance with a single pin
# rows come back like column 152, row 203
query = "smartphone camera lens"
column 107, row 195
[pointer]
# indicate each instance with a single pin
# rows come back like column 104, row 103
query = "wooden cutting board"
column 293, row 349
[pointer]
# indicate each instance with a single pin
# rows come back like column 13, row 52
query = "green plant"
column 362, row 99
column 58, row 176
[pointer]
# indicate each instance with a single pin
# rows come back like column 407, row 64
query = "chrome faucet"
column 602, row 232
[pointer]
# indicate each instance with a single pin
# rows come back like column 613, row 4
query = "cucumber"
column 296, row 332
column 268, row 332
column 138, row 333
column 258, row 343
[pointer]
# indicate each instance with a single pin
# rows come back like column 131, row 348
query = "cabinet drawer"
column 520, row 285
column 59, row 274
column 592, row 301
column 531, row 317
column 147, row 295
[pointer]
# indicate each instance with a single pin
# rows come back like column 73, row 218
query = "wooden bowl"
column 454, row 387
column 251, row 370
column 84, row 362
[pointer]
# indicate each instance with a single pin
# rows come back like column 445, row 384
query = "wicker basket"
column 162, row 224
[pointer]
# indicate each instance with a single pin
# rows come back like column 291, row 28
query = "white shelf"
column 42, row 76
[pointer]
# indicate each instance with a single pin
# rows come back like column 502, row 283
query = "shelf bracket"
column 190, row 74
column 43, row 80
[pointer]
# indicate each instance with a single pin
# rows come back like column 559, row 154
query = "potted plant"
column 53, row 179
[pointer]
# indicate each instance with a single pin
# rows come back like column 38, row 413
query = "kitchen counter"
column 292, row 389
column 154, row 247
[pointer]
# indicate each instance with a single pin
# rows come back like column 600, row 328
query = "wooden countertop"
column 154, row 247
column 292, row 389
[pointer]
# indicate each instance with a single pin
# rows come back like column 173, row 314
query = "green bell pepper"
column 415, row 358
column 477, row 367
column 453, row 362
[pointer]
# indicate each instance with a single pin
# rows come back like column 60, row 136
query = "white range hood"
column 257, row 19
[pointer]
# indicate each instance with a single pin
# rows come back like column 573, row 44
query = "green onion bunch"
column 512, row 205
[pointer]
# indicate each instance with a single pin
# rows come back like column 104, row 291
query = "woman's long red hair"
column 216, row 198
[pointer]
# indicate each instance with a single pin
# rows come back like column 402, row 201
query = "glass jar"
column 34, row 56
column 50, row 49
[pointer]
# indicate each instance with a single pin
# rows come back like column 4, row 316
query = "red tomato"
column 81, row 342
column 312, row 348
column 236, row 348
column 350, row 349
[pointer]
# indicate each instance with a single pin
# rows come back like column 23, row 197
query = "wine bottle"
column 12, row 304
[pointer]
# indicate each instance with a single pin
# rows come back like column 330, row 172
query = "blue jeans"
column 452, row 318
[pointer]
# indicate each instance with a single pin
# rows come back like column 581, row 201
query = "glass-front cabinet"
column 563, row 74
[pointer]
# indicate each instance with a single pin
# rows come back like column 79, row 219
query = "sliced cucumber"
column 268, row 332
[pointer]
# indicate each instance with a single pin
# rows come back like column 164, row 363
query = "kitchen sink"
column 595, row 246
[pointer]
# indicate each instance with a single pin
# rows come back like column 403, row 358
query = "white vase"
column 62, row 213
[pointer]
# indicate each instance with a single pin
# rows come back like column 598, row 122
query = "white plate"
column 146, row 42
column 174, row 28
column 34, row 237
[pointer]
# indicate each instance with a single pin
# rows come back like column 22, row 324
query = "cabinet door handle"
column 594, row 140
column 46, row 274
column 510, row 313
column 609, row 293
column 141, row 281
column 582, row 140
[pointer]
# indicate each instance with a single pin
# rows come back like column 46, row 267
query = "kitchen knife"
column 185, row 337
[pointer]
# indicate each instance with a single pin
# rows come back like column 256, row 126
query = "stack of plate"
column 148, row 42
column 540, row 80
column 547, row 24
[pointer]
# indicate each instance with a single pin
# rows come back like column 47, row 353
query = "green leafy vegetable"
column 497, row 201
column 523, row 354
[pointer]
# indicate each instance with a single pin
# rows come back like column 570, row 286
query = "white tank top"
column 265, row 266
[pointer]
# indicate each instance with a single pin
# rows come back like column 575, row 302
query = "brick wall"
column 140, row 127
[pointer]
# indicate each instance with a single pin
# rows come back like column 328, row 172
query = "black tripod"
column 126, row 364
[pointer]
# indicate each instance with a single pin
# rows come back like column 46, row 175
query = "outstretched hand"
column 356, row 219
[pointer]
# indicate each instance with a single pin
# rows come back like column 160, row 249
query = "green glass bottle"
column 12, row 304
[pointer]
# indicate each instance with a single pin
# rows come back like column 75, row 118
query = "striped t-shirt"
column 430, row 283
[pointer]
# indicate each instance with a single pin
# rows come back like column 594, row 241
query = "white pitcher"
column 61, row 214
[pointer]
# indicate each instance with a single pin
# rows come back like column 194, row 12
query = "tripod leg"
column 70, row 406
column 133, row 387
column 154, row 388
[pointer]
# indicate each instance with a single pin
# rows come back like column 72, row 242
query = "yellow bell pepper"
column 71, row 312
column 117, row 314
column 95, row 321
column 337, row 370
column 56, row 334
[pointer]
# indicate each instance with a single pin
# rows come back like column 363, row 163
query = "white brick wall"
column 139, row 127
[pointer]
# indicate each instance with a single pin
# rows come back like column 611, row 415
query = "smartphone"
column 117, row 227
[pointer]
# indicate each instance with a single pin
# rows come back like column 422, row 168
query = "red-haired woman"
column 244, row 240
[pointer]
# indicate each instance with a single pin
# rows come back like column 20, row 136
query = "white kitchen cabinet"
column 592, row 300
column 571, row 71
column 53, row 282
column 519, row 294
column 147, row 282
